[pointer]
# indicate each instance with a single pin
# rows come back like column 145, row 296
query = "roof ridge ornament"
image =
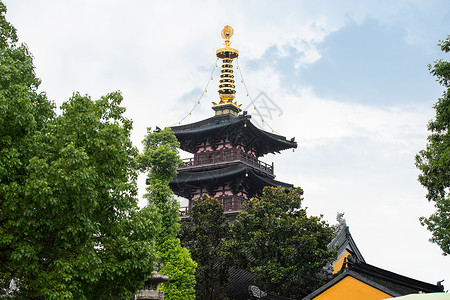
column 342, row 223
column 227, row 88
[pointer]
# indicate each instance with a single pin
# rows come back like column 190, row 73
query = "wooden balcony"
column 184, row 211
column 201, row 160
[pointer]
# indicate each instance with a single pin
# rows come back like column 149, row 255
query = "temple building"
column 226, row 148
column 353, row 278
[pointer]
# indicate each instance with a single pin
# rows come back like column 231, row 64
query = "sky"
column 348, row 79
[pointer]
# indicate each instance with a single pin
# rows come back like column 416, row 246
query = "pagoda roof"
column 218, row 176
column 237, row 129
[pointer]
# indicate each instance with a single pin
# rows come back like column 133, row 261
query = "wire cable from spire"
column 251, row 99
column 205, row 90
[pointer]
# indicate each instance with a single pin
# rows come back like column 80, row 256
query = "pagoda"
column 226, row 149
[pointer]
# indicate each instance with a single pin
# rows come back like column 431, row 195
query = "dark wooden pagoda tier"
column 226, row 161
column 238, row 130
column 233, row 185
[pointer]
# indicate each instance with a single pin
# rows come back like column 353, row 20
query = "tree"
column 207, row 237
column 180, row 268
column 70, row 224
column 434, row 161
column 160, row 159
column 280, row 245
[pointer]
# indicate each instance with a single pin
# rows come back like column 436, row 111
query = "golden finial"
column 227, row 33
column 226, row 87
column 227, row 52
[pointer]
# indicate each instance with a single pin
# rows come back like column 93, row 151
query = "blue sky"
column 367, row 68
column 350, row 79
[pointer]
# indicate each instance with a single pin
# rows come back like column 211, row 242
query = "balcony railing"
column 184, row 211
column 223, row 156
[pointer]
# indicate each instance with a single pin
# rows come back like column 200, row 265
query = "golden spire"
column 227, row 89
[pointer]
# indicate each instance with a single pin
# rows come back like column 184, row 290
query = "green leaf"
column 434, row 161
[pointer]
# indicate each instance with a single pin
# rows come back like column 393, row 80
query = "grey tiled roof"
column 218, row 175
column 240, row 130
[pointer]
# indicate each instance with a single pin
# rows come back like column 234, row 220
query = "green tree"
column 434, row 161
column 160, row 159
column 180, row 268
column 277, row 242
column 70, row 224
column 207, row 237
column 18, row 120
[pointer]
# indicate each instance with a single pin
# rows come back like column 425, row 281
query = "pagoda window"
column 227, row 202
column 238, row 201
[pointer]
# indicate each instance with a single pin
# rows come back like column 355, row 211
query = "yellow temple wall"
column 350, row 288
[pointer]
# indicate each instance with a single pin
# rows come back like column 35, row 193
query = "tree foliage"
column 160, row 159
column 207, row 237
column 180, row 268
column 70, row 224
column 277, row 242
column 434, row 161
